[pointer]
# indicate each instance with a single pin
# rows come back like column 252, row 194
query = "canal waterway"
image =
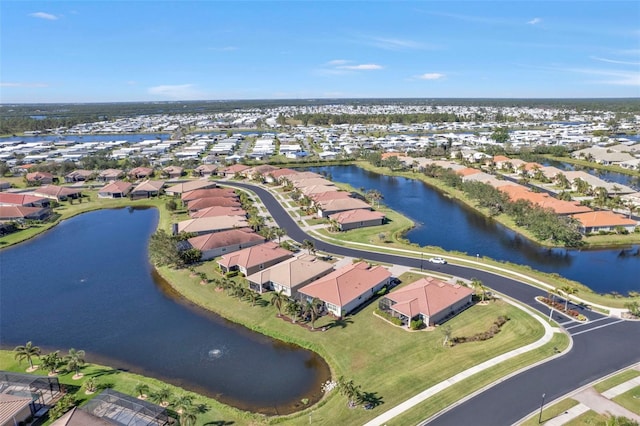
column 443, row 222
column 88, row 284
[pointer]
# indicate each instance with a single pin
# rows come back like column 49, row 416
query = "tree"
column 582, row 186
column 161, row 396
column 375, row 196
column 613, row 420
column 479, row 287
column 182, row 403
column 279, row 233
column 309, row 245
column 74, row 361
column 349, row 389
column 278, row 300
column 568, row 291
column 27, row 351
column 446, row 332
column 66, row 403
column 255, row 222
column 51, row 362
column 312, row 308
column 141, row 389
column 500, row 135
column 633, row 307
column 601, row 196
column 562, row 181
column 292, row 308
column 163, row 250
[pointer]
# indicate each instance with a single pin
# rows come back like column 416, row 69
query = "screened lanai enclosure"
column 126, row 410
column 41, row 389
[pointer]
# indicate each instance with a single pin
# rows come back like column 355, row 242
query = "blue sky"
column 107, row 51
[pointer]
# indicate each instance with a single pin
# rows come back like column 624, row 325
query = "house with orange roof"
column 205, row 170
column 347, row 288
column 172, row 172
column 467, row 171
column 110, row 175
column 117, row 189
column 219, row 243
column 318, row 189
column 289, row 275
column 253, row 259
column 27, row 200
column 429, row 299
column 386, row 155
column 39, row 178
column 21, row 213
column 559, row 207
column 329, row 195
column 234, row 170
column 604, row 220
column 358, row 218
column 276, row 175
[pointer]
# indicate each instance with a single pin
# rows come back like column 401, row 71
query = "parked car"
column 438, row 260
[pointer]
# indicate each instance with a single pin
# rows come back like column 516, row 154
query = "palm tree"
column 279, row 232
column 141, row 389
column 562, row 181
column 75, row 361
column 27, row 352
column 601, row 196
column 480, row 287
column 312, row 308
column 51, row 362
column 568, row 290
column 161, row 396
column 255, row 222
column 349, row 389
column 182, row 403
column 309, row 245
column 252, row 297
column 292, row 308
column 375, row 196
column 278, row 299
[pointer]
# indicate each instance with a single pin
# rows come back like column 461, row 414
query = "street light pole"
column 541, row 406
column 420, row 261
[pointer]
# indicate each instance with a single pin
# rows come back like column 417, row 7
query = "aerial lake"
column 443, row 222
column 88, row 284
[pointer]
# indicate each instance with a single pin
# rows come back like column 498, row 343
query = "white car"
column 438, row 260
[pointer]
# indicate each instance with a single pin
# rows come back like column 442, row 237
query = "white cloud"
column 534, row 21
column 615, row 78
column 613, row 61
column 430, row 76
column 176, row 91
column 361, row 67
column 23, row 84
column 338, row 62
column 44, row 15
column 395, row 43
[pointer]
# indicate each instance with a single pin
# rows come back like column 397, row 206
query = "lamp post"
column 541, row 407
column 421, row 261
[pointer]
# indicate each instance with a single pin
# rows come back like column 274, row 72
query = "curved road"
column 600, row 347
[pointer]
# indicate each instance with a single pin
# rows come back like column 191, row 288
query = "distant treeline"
column 323, row 119
column 15, row 118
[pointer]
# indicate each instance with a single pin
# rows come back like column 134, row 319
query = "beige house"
column 289, row 275
column 190, row 185
column 359, row 218
column 117, row 189
column 206, row 225
column 329, row 207
column 253, row 259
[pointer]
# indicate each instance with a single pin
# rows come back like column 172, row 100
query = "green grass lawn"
column 391, row 362
column 588, row 418
column 630, row 400
column 616, row 380
column 551, row 412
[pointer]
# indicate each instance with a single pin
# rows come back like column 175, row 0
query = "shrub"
column 417, row 324
column 232, row 274
column 65, row 404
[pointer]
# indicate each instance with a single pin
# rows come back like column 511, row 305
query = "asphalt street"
column 600, row 347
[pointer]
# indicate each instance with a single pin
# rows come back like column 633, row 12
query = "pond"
column 88, row 284
column 443, row 222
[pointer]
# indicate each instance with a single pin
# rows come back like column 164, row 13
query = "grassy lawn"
column 588, row 418
column 388, row 361
column 614, row 381
column 612, row 240
column 630, row 400
column 551, row 412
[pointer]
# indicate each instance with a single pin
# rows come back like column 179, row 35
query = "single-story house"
column 277, row 175
column 206, row 225
column 140, row 173
column 39, row 178
column 329, row 207
column 14, row 409
column 203, row 203
column 205, row 193
column 429, row 299
column 78, row 417
column 219, row 243
column 58, row 193
column 147, row 189
column 289, row 275
column 21, row 213
column 234, row 170
column 22, row 199
column 345, row 289
column 110, row 175
column 544, row 200
column 359, row 218
column 252, row 259
column 603, row 220
column 190, row 185
column 172, row 172
column 261, row 170
column 117, row 189
column 218, row 211
column 205, row 170
column 79, row 176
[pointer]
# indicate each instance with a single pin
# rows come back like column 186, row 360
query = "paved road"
column 600, row 346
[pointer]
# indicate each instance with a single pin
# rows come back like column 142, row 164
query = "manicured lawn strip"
column 392, row 362
column 613, row 240
column 630, row 400
column 551, row 412
column 616, row 380
column 451, row 395
column 125, row 382
column 588, row 418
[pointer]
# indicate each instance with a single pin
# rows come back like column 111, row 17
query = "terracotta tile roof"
column 468, row 171
column 37, row 176
column 500, row 158
column 318, row 189
column 78, row 417
column 19, row 212
column 141, row 171
column 206, row 168
column 603, row 218
column 347, row 283
column 386, row 155
column 532, row 166
column 314, row 181
column 202, row 203
column 210, row 192
column 298, row 176
column 263, row 169
column 224, row 239
column 329, row 195
column 116, row 187
column 236, row 168
column 358, row 215
column 255, row 255
column 427, row 296
column 343, row 204
column 281, row 172
column 149, row 186
column 8, row 198
column 218, row 211
column 112, row 173
column 518, row 192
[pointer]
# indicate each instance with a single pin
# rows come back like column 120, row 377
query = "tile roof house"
column 190, row 185
column 140, row 173
column 253, row 259
column 117, row 189
column 21, row 213
column 39, row 178
column 329, row 207
column 219, row 243
column 218, row 211
column 345, row 289
column 58, row 193
column 203, row 203
column 206, row 225
column 359, row 218
column 278, row 174
column 603, row 220
column 289, row 275
column 210, row 192
column 27, row 200
column 429, row 299
column 110, row 175
column 172, row 172
column 231, row 171
column 14, row 409
column 147, row 189
column 78, row 176
column 544, row 200
column 205, row 170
